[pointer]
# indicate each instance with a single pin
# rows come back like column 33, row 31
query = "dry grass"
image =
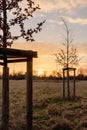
column 50, row 112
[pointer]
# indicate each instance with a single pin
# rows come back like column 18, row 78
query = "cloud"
column 81, row 21
column 52, row 21
column 69, row 5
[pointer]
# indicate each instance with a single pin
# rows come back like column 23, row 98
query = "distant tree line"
column 21, row 76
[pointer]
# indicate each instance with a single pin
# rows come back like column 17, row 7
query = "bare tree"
column 67, row 57
column 14, row 13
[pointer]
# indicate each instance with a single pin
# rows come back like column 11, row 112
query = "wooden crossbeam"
column 17, row 60
column 17, row 53
column 1, row 63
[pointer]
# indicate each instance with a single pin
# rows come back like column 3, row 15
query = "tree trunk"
column 68, row 86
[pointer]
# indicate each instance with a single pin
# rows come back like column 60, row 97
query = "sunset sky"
column 49, row 40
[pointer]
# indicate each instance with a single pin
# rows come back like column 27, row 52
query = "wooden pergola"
column 7, row 56
column 68, row 82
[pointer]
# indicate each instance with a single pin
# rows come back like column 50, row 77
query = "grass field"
column 50, row 111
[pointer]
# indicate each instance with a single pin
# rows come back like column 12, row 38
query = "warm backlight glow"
column 40, row 72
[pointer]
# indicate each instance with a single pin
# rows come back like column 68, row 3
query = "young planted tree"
column 67, row 57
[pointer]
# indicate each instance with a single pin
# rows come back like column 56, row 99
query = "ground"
column 50, row 111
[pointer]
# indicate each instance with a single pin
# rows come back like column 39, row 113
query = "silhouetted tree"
column 15, row 13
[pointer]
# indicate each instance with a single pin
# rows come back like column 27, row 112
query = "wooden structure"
column 68, row 83
column 10, row 56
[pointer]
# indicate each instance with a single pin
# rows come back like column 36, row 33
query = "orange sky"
column 46, row 59
column 47, row 41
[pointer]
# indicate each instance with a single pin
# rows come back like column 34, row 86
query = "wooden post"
column 63, row 84
column 68, row 85
column 5, row 99
column 29, row 94
column 74, row 93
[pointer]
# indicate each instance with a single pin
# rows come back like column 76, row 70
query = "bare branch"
column 67, row 57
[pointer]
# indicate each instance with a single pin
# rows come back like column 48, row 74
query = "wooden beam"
column 29, row 94
column 5, row 99
column 17, row 53
column 17, row 60
column 69, row 68
column 1, row 63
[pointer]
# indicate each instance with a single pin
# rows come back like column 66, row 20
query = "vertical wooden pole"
column 63, row 84
column 5, row 99
column 74, row 93
column 68, row 86
column 29, row 94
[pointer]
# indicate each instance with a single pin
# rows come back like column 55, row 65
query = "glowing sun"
column 40, row 72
